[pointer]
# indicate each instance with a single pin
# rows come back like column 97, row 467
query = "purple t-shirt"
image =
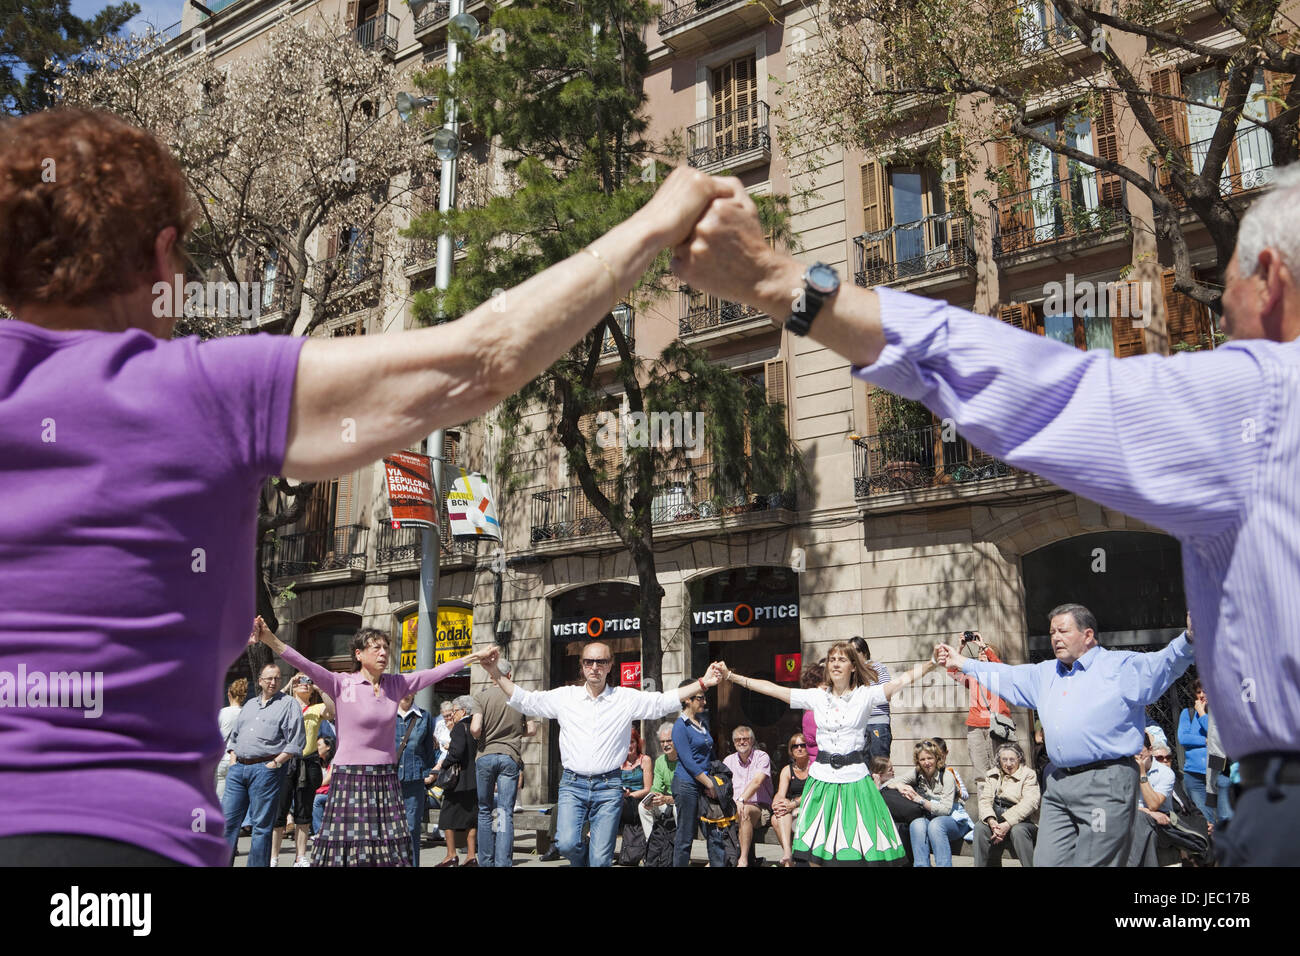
column 129, row 475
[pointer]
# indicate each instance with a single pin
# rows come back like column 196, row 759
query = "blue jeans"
column 1194, row 784
column 415, row 797
column 586, row 801
column 253, row 788
column 934, row 835
column 498, row 781
column 879, row 739
column 318, row 812
column 686, row 800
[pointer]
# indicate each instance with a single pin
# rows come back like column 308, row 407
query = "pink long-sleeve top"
column 366, row 723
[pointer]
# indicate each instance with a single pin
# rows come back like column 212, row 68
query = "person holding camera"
column 1009, row 799
column 988, row 721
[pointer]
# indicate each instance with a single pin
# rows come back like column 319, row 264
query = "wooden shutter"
column 1106, row 145
column 1009, row 216
column 1126, row 330
column 774, row 380
column 343, row 503
column 1278, row 85
column 451, row 448
column 351, row 15
column 954, row 194
column 875, row 197
column 1018, row 314
column 1184, row 316
column 1171, row 115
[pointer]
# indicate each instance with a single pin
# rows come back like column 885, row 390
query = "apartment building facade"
column 907, row 535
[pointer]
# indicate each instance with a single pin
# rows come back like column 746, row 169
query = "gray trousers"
column 1143, row 850
column 1021, row 839
column 1087, row 818
column 980, row 746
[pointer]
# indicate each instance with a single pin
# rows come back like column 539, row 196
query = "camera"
column 967, row 637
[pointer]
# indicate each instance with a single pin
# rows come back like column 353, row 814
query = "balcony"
column 1039, row 26
column 919, row 458
column 735, row 140
column 920, row 253
column 681, row 495
column 624, row 316
column 398, row 549
column 378, row 34
column 341, row 549
column 698, row 24
column 1046, row 217
column 702, row 313
column 435, row 14
column 1247, row 167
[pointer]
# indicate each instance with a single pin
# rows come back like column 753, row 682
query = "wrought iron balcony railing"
column 434, row 14
column 378, row 33
column 919, row 458
column 1087, row 203
column 729, row 135
column 683, row 494
column 395, row 546
column 702, row 312
column 1248, row 165
column 1038, row 25
column 673, row 15
column 326, row 549
column 624, row 316
column 910, row 250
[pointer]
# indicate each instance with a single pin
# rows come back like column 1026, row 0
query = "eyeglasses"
column 1163, row 758
column 666, row 742
column 304, row 680
column 274, row 680
column 798, row 746
column 697, row 697
column 595, row 661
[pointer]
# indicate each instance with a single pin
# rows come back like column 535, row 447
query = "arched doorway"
column 1132, row 581
column 608, row 612
column 327, row 639
column 749, row 617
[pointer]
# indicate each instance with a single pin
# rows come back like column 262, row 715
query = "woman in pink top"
column 814, row 675
column 365, row 819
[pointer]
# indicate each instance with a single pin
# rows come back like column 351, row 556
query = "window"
column 913, row 220
column 735, row 112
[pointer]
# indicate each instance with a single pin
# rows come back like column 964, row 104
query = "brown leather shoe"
column 450, row 861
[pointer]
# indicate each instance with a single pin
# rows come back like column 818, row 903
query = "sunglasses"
column 798, row 746
column 1163, row 758
column 595, row 661
column 303, row 680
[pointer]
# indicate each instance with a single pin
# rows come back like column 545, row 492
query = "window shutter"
column 1110, row 186
column 1009, row 216
column 774, row 379
column 954, row 194
column 1277, row 85
column 343, row 504
column 451, row 448
column 1171, row 115
column 351, row 16
column 1126, row 335
column 875, row 197
column 1018, row 314
column 1184, row 316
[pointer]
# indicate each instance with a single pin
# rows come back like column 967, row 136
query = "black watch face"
column 822, row 278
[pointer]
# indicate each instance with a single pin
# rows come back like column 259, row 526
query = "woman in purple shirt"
column 365, row 818
column 130, row 468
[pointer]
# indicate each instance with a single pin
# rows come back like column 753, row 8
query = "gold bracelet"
column 604, row 265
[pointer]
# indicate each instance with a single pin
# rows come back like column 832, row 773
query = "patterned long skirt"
column 365, row 819
column 846, row 823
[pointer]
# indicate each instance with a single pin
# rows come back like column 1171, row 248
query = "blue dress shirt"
column 1093, row 710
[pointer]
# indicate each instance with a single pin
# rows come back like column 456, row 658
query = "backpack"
column 633, row 850
column 720, row 809
column 663, row 837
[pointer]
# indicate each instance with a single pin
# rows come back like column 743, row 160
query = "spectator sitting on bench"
column 926, row 783
column 1009, row 798
column 751, row 776
column 1155, row 785
column 789, row 793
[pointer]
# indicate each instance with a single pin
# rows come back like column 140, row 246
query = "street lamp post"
column 447, row 147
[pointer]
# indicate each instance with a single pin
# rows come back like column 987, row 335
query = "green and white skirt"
column 846, row 823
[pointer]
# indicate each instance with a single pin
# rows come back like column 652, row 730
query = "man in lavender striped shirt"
column 1201, row 445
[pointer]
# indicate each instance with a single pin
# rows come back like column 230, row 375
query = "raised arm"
column 1016, row 684
column 1105, row 428
column 325, row 679
column 902, row 680
column 418, row 680
column 1145, row 677
column 356, row 401
column 755, row 684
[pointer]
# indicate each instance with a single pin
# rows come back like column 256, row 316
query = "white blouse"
column 841, row 726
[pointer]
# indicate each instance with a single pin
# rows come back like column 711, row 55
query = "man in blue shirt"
column 1091, row 702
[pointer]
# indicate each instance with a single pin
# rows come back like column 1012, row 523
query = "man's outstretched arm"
column 1174, row 441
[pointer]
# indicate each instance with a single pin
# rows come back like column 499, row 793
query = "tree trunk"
column 652, row 599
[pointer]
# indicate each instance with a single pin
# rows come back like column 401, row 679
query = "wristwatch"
column 1142, row 779
column 820, row 282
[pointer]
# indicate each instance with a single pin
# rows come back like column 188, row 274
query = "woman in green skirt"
column 842, row 819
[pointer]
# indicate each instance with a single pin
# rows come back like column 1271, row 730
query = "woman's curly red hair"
column 83, row 196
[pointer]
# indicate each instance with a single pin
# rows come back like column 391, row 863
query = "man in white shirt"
column 1155, row 787
column 595, row 732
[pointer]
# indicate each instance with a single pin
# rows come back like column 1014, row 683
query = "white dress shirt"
column 595, row 732
column 841, row 727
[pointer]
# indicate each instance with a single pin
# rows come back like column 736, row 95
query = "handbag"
column 1001, row 727
column 448, row 778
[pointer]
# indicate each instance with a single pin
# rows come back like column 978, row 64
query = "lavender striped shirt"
column 1203, row 445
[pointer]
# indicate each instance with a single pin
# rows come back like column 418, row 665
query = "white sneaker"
column 301, row 861
column 275, row 861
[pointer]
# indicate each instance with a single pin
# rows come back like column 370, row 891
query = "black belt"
column 252, row 760
column 1268, row 770
column 840, row 760
column 595, row 776
column 1099, row 764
